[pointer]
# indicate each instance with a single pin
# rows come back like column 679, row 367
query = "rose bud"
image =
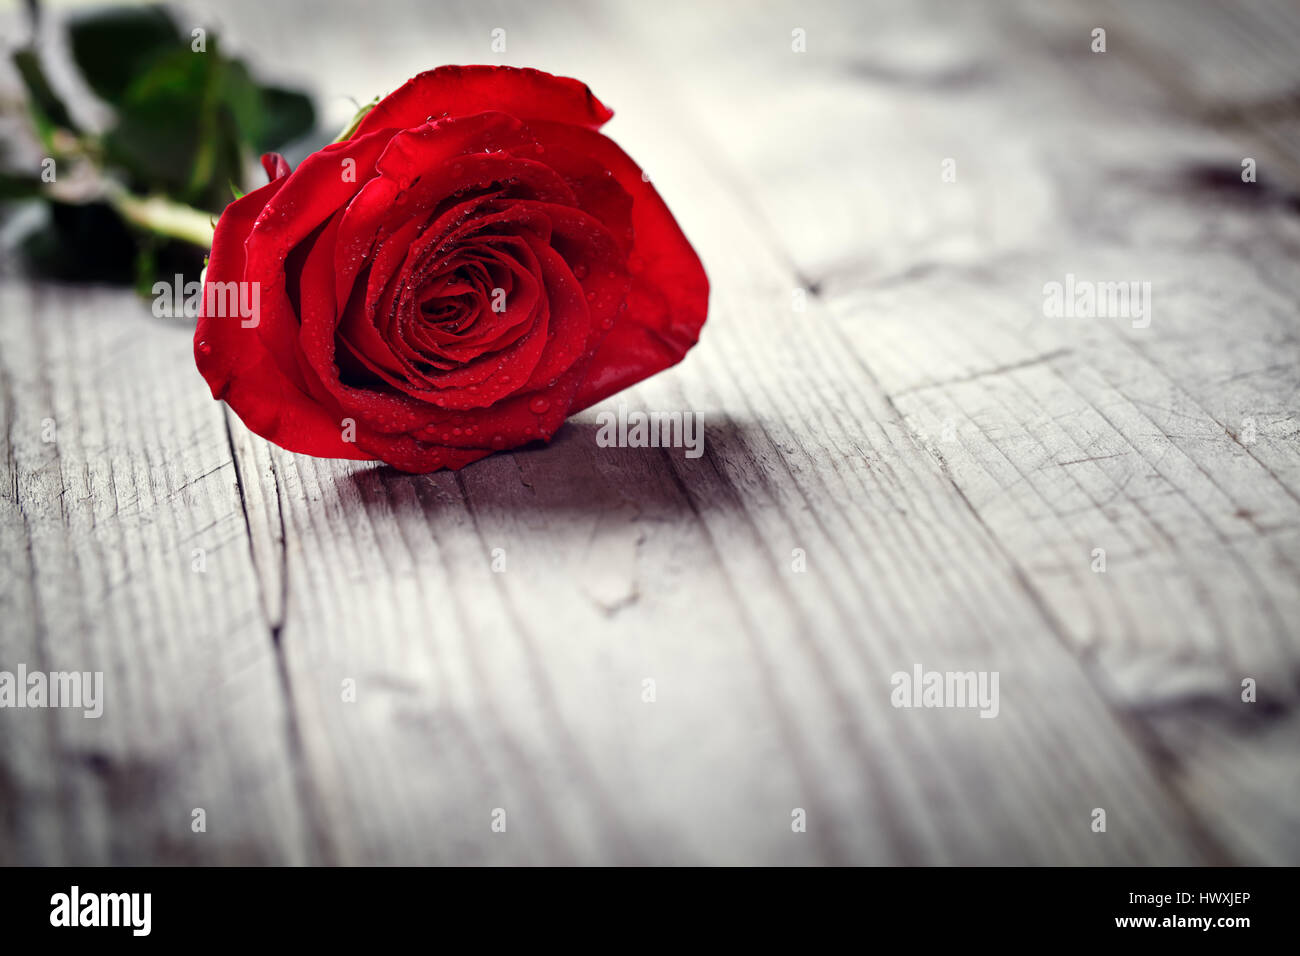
column 472, row 265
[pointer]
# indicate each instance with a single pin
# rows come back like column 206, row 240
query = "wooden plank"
column 536, row 668
column 103, row 529
column 383, row 660
column 1065, row 436
column 1231, row 67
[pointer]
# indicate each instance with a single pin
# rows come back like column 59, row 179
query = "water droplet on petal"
column 539, row 405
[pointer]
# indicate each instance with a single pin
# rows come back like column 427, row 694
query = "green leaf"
column 224, row 164
column 240, row 95
column 187, row 121
column 162, row 119
column 287, row 115
column 48, row 111
column 113, row 46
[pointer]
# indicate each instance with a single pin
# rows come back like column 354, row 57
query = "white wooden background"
column 946, row 456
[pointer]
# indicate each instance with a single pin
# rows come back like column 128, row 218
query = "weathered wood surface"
column 946, row 457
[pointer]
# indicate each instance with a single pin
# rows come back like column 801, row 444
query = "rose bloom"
column 472, row 265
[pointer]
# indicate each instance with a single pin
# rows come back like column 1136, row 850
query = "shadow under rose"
column 572, row 520
column 575, row 473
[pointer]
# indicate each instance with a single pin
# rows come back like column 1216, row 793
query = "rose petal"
column 276, row 166
column 460, row 90
column 388, row 274
column 239, row 369
column 669, row 298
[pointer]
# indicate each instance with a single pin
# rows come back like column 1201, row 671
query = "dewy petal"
column 276, row 166
column 421, row 167
column 458, row 90
column 669, row 298
column 321, row 185
column 239, row 369
column 399, row 271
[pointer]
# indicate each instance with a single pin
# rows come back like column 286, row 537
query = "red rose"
column 472, row 266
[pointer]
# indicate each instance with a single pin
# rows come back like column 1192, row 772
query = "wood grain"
column 373, row 663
